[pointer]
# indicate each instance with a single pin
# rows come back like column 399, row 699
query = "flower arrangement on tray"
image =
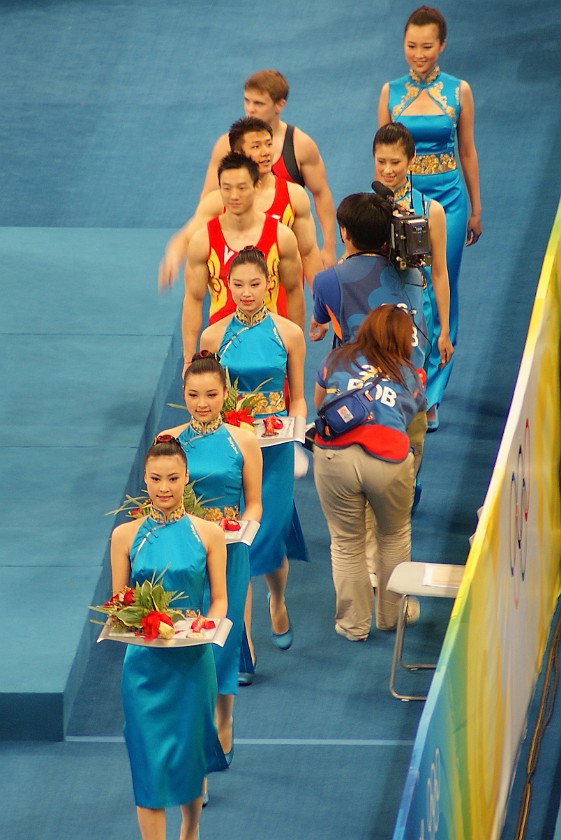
column 146, row 611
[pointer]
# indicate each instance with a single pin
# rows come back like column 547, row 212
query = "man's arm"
column 439, row 278
column 312, row 167
column 290, row 275
column 176, row 249
column 196, row 281
column 304, row 230
column 221, row 148
column 325, row 284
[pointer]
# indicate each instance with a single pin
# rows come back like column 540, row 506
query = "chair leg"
column 398, row 655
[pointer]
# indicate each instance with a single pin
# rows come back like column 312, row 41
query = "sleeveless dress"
column 169, row 695
column 253, row 352
column 436, row 175
column 215, row 464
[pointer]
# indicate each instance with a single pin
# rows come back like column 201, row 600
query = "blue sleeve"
column 327, row 296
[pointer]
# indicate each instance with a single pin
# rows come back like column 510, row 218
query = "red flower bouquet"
column 145, row 610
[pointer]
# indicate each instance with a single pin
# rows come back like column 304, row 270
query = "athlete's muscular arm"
column 290, row 275
column 439, row 278
column 196, row 281
column 304, row 230
column 312, row 167
column 221, row 148
column 176, row 249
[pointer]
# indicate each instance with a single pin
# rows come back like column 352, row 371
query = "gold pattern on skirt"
column 433, row 164
column 267, row 402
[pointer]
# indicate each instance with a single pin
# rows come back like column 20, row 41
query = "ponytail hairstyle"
column 205, row 362
column 250, row 255
column 425, row 15
column 165, row 445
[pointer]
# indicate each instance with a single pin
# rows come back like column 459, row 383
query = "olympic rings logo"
column 519, row 509
column 433, row 799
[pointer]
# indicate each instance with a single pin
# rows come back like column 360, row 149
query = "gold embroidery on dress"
column 173, row 516
column 433, row 164
column 435, row 92
column 411, row 93
column 268, row 402
column 428, row 79
column 402, row 192
column 206, row 428
column 251, row 320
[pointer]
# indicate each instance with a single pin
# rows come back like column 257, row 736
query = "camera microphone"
column 381, row 190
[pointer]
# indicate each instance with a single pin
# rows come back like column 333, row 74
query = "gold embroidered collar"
column 402, row 192
column 173, row 516
column 206, row 428
column 427, row 80
column 251, row 320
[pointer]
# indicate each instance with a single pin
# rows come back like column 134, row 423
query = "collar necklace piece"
column 173, row 516
column 401, row 192
column 251, row 320
column 427, row 80
column 206, row 428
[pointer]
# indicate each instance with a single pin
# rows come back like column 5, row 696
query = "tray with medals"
column 274, row 430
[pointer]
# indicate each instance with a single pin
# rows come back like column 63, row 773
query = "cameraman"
column 365, row 278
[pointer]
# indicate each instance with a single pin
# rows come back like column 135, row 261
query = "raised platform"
column 89, row 348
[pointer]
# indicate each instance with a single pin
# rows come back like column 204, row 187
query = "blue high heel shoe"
column 282, row 641
column 432, row 425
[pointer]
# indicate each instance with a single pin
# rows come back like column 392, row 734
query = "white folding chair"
column 433, row 580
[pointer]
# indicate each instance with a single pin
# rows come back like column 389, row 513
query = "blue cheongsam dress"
column 169, row 694
column 436, row 174
column 255, row 355
column 215, row 464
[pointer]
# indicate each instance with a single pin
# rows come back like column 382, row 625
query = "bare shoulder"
column 305, row 149
column 209, row 532
column 286, row 237
column 198, row 247
column 298, row 198
column 221, row 147
column 245, row 439
column 213, row 334
column 123, row 535
column 211, row 205
column 289, row 331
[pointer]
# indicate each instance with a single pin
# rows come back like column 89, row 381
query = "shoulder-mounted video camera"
column 409, row 237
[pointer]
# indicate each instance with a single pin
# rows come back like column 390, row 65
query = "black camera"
column 409, row 235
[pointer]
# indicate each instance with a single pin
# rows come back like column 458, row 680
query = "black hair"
column 366, row 217
column 234, row 160
column 425, row 15
column 165, row 445
column 205, row 362
column 250, row 255
column 393, row 133
column 240, row 128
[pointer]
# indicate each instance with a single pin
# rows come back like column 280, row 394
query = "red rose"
column 151, row 624
column 128, row 597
